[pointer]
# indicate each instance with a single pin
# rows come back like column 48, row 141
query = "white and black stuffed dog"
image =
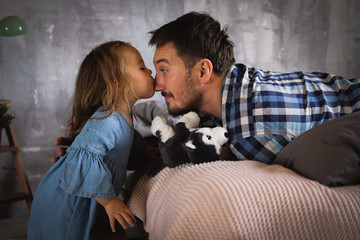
column 186, row 143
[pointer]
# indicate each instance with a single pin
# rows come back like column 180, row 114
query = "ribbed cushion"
column 243, row 200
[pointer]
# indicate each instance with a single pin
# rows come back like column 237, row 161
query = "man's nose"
column 158, row 84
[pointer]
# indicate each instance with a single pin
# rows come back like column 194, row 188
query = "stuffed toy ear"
column 190, row 144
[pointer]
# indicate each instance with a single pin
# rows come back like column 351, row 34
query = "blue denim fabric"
column 94, row 166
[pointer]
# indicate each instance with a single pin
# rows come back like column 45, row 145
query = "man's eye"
column 163, row 70
column 142, row 69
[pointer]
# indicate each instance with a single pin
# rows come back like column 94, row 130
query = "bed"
column 229, row 199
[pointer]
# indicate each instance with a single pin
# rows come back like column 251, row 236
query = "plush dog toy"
column 186, row 143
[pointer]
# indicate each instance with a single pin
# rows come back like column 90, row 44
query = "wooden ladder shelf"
column 13, row 147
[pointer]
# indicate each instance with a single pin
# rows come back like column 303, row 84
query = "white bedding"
column 243, row 200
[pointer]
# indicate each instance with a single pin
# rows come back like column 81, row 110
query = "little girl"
column 110, row 80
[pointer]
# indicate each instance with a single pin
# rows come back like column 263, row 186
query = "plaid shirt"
column 263, row 111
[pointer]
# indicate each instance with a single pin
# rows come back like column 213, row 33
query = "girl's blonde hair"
column 101, row 82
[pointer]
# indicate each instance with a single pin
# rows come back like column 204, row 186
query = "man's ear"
column 206, row 68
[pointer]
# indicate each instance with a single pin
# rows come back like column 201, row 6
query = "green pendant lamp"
column 12, row 26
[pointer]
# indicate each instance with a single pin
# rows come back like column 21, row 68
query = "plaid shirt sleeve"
column 263, row 111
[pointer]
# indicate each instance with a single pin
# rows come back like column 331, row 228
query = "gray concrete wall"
column 37, row 70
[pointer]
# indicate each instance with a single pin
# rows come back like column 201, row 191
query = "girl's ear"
column 206, row 68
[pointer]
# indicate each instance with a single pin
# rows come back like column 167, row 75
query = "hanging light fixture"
column 12, row 26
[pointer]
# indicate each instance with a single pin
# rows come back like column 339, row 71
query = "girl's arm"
column 116, row 209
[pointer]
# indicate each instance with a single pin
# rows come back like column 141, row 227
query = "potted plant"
column 5, row 117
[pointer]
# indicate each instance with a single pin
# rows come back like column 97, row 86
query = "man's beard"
column 192, row 99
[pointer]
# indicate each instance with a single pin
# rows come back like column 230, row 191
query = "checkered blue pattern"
column 263, row 111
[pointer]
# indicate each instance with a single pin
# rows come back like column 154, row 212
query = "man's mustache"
column 165, row 94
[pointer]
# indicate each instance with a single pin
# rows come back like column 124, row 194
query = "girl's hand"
column 116, row 209
column 63, row 144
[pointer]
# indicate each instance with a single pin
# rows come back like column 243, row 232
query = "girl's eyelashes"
column 143, row 67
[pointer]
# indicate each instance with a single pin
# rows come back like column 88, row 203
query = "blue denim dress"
column 94, row 166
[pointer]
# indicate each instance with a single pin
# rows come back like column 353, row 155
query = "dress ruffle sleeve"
column 88, row 168
column 86, row 175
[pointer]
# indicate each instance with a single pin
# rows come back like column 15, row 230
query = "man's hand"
column 63, row 144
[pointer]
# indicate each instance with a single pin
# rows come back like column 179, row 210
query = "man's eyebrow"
column 162, row 60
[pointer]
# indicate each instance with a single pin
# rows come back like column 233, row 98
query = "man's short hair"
column 196, row 36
